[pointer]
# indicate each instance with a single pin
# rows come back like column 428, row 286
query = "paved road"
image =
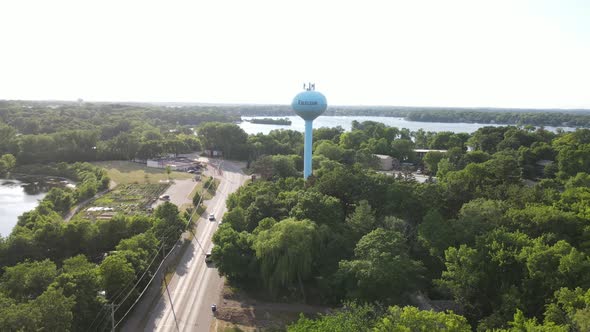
column 194, row 286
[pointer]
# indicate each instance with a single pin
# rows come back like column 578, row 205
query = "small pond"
column 21, row 195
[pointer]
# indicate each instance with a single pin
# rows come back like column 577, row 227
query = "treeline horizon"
column 487, row 115
column 41, row 102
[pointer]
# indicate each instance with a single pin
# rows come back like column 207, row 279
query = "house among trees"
column 213, row 153
column 420, row 153
column 385, row 162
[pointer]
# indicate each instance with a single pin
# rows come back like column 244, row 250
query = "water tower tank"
column 309, row 104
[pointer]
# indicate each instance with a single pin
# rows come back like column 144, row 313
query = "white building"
column 175, row 164
column 385, row 162
column 420, row 153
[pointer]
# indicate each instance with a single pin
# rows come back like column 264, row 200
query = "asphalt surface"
column 195, row 286
column 179, row 192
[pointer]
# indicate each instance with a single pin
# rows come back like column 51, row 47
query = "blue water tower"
column 309, row 104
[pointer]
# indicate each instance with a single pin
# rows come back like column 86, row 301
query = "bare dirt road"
column 194, row 287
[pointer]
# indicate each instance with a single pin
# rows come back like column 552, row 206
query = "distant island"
column 501, row 116
column 280, row 122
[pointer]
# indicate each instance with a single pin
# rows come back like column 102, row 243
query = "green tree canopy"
column 415, row 320
column 26, row 281
column 382, row 268
column 286, row 253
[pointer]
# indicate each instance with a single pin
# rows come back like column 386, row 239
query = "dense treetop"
column 501, row 230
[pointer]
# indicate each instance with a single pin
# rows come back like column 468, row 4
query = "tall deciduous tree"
column 116, row 273
column 382, row 268
column 227, row 137
column 353, row 317
column 233, row 254
column 169, row 224
column 415, row 320
column 361, row 221
column 27, row 280
column 286, row 252
column 7, row 162
column 80, row 281
column 431, row 160
column 320, row 208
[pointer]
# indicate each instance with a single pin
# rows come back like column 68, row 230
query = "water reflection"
column 21, row 195
column 37, row 187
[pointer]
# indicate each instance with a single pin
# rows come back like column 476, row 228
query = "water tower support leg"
column 307, row 150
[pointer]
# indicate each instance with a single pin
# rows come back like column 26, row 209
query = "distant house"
column 420, row 153
column 157, row 163
column 213, row 153
column 424, row 303
column 385, row 162
column 176, row 164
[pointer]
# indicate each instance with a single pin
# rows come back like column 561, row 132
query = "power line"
column 163, row 243
column 147, row 286
column 171, row 304
column 121, row 291
column 143, row 275
column 165, row 257
column 195, row 237
column 163, row 239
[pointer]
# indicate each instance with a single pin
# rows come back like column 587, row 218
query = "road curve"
column 194, row 286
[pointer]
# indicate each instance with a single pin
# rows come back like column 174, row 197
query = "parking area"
column 178, row 193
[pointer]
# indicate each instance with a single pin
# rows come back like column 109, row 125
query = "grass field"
column 126, row 172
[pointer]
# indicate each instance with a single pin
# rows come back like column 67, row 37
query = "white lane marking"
column 179, row 294
column 184, row 281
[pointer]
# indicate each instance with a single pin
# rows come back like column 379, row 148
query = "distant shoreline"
column 492, row 118
column 174, row 104
column 575, row 118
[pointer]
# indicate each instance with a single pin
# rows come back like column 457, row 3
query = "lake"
column 346, row 122
column 18, row 197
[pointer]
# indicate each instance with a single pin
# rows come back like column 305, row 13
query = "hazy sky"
column 421, row 53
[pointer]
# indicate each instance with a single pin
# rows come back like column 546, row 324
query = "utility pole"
column 112, row 305
column 171, row 304
column 168, row 292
